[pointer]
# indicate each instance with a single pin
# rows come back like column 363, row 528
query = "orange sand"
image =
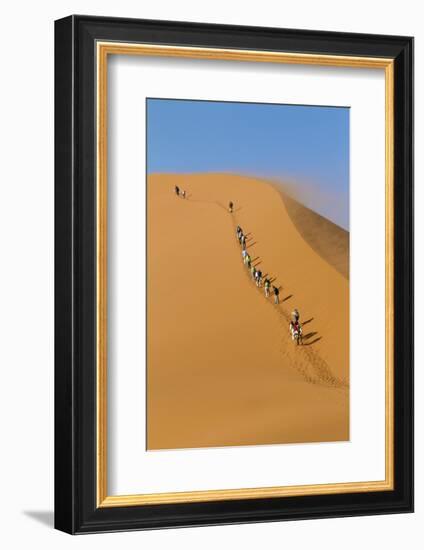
column 221, row 367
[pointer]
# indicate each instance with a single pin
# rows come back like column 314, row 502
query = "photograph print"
column 247, row 274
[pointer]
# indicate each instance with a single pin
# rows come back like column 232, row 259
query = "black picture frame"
column 75, row 275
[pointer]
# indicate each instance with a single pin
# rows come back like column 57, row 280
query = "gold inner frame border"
column 103, row 50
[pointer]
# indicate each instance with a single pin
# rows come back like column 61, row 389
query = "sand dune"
column 221, row 367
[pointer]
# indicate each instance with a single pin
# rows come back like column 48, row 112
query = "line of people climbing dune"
column 257, row 276
column 260, row 280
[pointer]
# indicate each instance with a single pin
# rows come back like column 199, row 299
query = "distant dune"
column 221, row 368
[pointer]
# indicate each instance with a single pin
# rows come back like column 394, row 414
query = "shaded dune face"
column 329, row 240
column 222, row 369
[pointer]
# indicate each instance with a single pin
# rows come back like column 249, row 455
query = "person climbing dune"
column 267, row 286
column 296, row 331
column 243, row 241
column 177, row 190
column 276, row 295
column 258, row 278
column 230, row 207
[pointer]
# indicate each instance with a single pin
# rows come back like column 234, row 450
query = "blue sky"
column 306, row 146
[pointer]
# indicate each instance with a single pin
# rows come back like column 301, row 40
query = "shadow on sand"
column 309, row 335
column 313, row 341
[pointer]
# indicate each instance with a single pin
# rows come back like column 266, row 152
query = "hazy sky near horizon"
column 306, row 147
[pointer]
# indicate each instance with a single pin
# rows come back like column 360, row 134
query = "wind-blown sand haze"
column 221, row 366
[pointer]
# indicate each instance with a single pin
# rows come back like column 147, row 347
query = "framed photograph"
column 234, row 274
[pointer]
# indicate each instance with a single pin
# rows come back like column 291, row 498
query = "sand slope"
column 222, row 369
column 329, row 240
